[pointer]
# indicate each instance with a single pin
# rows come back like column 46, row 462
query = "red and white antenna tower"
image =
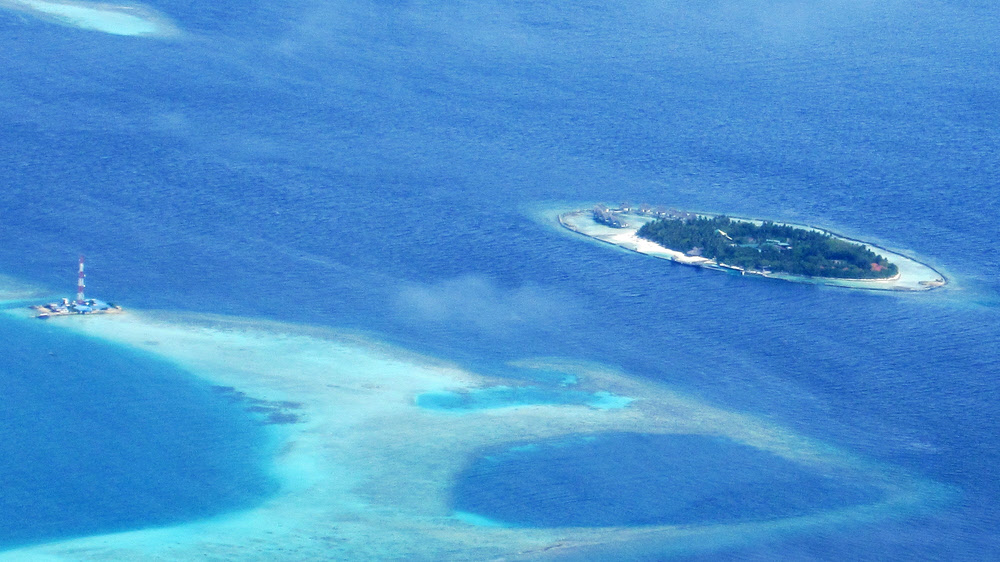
column 79, row 283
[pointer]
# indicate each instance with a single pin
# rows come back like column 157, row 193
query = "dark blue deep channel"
column 619, row 479
column 99, row 438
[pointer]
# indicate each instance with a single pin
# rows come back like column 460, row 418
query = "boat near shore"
column 619, row 226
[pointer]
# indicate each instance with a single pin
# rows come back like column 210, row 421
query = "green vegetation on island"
column 768, row 247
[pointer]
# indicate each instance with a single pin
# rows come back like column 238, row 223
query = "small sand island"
column 798, row 253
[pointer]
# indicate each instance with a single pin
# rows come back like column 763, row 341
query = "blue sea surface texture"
column 392, row 171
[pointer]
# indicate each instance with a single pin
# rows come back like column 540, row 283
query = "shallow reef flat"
column 913, row 275
column 14, row 292
column 368, row 473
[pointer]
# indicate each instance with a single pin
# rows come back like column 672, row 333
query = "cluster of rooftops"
column 67, row 307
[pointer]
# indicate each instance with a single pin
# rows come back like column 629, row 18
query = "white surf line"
column 116, row 19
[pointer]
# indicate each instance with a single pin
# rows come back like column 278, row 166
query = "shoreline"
column 913, row 275
column 368, row 473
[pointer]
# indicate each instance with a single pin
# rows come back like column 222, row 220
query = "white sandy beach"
column 368, row 473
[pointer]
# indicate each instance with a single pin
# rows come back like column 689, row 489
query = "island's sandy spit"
column 367, row 474
column 913, row 275
column 131, row 19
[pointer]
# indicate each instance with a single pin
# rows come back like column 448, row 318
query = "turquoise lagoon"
column 514, row 396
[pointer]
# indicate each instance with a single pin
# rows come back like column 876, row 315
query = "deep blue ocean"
column 348, row 154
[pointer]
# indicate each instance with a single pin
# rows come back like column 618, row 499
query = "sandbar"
column 115, row 19
column 367, row 473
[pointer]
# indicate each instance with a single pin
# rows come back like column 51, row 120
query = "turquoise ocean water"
column 383, row 166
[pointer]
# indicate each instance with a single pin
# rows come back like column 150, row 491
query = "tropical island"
column 799, row 253
column 769, row 247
